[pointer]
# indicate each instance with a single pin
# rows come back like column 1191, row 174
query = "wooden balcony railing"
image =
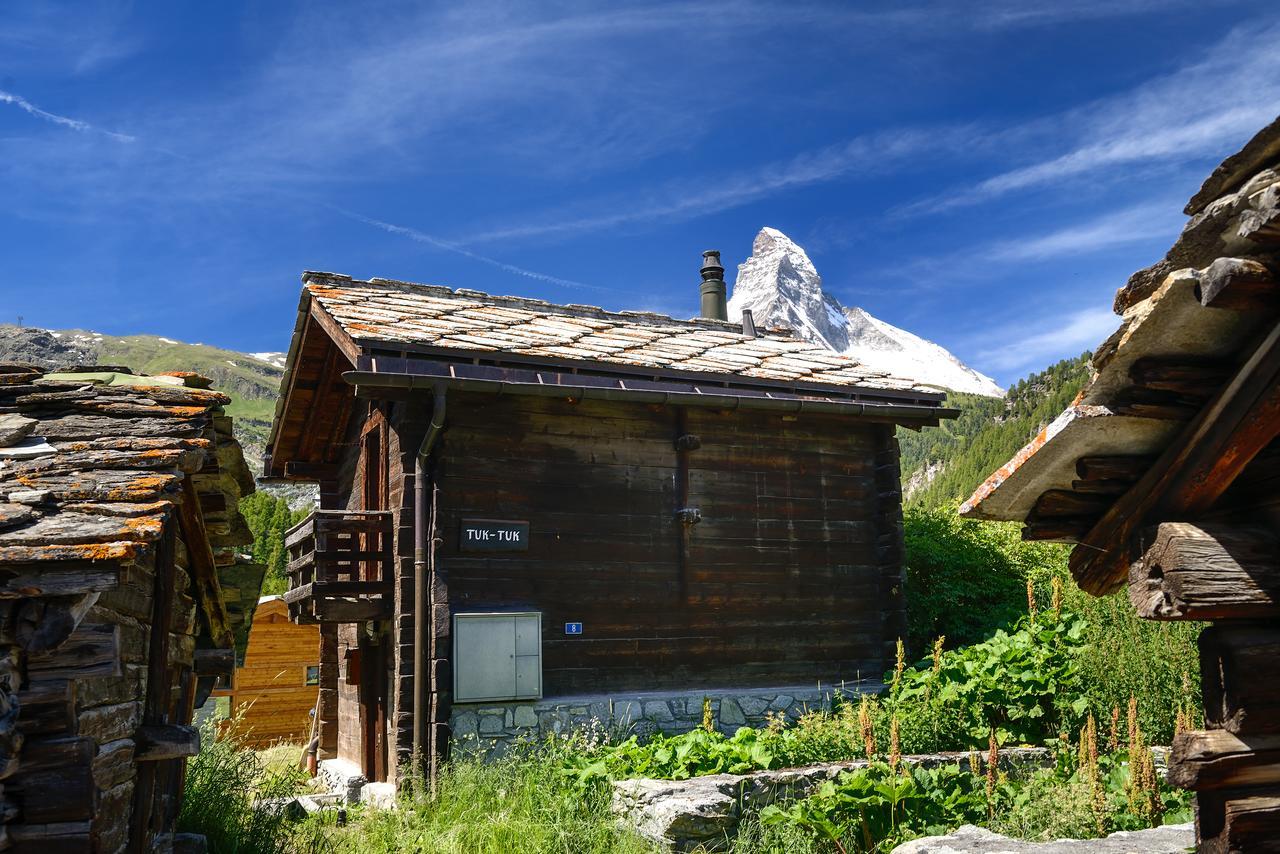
column 340, row 567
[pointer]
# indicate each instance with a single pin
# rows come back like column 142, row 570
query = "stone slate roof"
column 1128, row 409
column 92, row 463
column 387, row 313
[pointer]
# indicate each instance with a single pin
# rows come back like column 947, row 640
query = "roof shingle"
column 385, row 312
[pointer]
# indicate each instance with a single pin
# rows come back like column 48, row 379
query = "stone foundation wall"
column 490, row 727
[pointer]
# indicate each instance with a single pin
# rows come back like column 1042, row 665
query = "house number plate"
column 493, row 535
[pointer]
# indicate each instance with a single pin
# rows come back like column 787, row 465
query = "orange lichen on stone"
column 86, row 551
column 141, row 487
column 146, row 528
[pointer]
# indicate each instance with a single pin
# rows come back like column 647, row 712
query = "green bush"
column 965, row 579
column 877, row 807
column 679, row 757
column 1024, row 684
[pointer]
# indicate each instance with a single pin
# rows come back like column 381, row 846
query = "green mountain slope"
column 252, row 381
column 941, row 466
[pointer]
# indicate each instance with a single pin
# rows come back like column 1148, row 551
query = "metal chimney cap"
column 711, row 266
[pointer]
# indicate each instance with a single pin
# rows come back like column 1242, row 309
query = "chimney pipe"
column 748, row 323
column 713, row 290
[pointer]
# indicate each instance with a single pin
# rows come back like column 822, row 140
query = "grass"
column 521, row 803
column 225, row 785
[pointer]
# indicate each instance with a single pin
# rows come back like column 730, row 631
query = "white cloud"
column 1054, row 338
column 864, row 155
column 1136, row 224
column 64, row 121
column 1201, row 109
column 422, row 237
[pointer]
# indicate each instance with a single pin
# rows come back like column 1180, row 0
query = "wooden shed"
column 274, row 691
column 118, row 530
column 615, row 511
column 1166, row 473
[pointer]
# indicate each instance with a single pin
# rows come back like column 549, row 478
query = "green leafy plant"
column 882, row 805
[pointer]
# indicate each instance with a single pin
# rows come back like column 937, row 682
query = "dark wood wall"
column 792, row 575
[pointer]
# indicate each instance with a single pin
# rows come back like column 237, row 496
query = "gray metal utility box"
column 497, row 656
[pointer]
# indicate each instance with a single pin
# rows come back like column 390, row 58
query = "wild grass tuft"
column 523, row 802
column 227, row 794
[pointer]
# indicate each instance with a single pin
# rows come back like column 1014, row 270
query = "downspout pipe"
column 422, row 604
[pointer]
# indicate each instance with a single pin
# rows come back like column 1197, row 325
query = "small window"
column 313, row 674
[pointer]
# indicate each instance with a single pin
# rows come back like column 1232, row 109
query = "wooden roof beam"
column 1194, row 470
column 204, row 569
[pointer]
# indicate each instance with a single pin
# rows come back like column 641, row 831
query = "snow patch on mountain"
column 274, row 359
column 781, row 287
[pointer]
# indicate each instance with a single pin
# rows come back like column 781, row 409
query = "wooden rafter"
column 204, row 569
column 340, row 338
column 1193, row 472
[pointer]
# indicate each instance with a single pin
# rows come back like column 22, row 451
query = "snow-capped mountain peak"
column 782, row 288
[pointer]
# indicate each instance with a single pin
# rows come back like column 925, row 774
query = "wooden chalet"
column 1166, row 473
column 120, row 598
column 275, row 689
column 590, row 502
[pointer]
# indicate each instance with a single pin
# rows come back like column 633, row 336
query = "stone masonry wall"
column 489, row 728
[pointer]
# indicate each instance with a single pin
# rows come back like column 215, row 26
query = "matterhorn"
column 781, row 287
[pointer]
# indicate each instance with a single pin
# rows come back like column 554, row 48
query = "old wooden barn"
column 1166, row 472
column 616, row 514
column 275, row 689
column 120, row 596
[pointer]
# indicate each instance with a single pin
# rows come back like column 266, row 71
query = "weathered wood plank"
column 1238, row 822
column 215, row 662
column 159, row 742
column 1056, row 503
column 1182, row 376
column 1217, row 759
column 1211, row 572
column 1124, row 468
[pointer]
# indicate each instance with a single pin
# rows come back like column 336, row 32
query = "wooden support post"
column 1231, row 822
column 1240, row 678
column 156, row 704
column 1210, row 572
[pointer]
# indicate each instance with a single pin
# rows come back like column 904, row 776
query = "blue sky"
column 984, row 174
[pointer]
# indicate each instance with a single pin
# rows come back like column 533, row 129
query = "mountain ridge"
column 781, row 286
